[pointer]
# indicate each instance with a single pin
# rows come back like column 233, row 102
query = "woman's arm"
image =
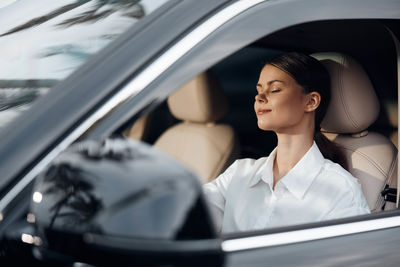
column 215, row 192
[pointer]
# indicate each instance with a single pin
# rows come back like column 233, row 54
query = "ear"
column 313, row 100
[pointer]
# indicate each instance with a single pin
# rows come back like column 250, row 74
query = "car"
column 87, row 81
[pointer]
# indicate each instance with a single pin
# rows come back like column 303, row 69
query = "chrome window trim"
column 137, row 84
column 291, row 237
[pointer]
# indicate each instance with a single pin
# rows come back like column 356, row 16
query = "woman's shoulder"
column 345, row 189
column 335, row 168
column 335, row 172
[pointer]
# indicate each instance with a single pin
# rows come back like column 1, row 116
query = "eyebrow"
column 270, row 82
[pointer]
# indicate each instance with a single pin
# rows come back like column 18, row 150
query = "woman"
column 299, row 182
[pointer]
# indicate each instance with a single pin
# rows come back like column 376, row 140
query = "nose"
column 260, row 98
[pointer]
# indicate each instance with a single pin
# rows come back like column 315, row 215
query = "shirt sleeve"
column 346, row 212
column 349, row 206
column 215, row 192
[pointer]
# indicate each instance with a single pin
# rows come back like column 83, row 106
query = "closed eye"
column 276, row 90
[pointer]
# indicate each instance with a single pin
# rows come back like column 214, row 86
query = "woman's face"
column 280, row 102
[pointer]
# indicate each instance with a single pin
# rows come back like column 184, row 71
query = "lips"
column 263, row 111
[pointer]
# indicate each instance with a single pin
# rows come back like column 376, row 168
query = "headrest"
column 200, row 100
column 354, row 105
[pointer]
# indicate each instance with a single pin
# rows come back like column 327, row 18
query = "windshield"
column 42, row 42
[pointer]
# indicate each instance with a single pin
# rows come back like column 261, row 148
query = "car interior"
column 210, row 122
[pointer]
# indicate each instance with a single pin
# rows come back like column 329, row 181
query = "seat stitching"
column 369, row 159
column 391, row 170
column 341, row 93
column 199, row 96
column 379, row 200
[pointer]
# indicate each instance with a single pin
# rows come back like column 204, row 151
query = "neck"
column 291, row 148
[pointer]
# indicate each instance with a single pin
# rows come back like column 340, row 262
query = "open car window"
column 237, row 76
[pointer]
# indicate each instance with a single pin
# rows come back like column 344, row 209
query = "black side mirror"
column 121, row 201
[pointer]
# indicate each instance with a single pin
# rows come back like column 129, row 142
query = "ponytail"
column 330, row 150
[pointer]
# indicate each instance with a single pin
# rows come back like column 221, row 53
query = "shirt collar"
column 265, row 172
column 299, row 178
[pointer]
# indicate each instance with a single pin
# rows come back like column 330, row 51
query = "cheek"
column 286, row 111
column 293, row 105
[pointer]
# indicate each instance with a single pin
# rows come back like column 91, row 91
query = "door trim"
column 303, row 235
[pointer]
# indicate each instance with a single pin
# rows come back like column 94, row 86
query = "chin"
column 265, row 127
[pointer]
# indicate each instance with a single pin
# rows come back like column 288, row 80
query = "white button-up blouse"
column 315, row 189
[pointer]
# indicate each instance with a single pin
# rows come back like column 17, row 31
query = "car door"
column 340, row 242
column 217, row 36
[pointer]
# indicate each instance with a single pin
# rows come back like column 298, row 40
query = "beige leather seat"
column 390, row 107
column 354, row 106
column 198, row 141
column 140, row 128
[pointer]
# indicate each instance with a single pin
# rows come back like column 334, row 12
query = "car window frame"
column 243, row 18
column 268, row 237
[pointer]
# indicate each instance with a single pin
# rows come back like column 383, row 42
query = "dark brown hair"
column 313, row 77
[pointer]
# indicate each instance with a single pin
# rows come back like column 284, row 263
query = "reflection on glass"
column 120, row 188
column 30, row 218
column 77, row 202
column 37, row 197
column 44, row 42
